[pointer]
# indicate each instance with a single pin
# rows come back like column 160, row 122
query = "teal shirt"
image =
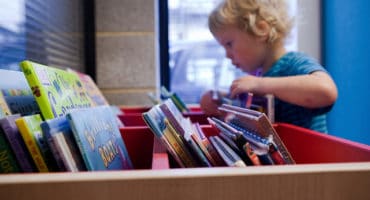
column 291, row 64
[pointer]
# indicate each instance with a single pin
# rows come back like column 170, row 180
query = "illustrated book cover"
column 16, row 95
column 59, row 137
column 98, row 138
column 91, row 88
column 56, row 91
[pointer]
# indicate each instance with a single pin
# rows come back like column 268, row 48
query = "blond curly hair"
column 247, row 13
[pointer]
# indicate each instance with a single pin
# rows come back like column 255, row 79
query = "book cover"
column 91, row 88
column 15, row 94
column 17, row 144
column 59, row 137
column 8, row 162
column 30, row 130
column 56, row 91
column 98, row 138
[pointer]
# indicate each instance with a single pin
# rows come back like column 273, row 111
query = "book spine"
column 179, row 145
column 19, row 148
column 31, row 145
column 37, row 89
column 8, row 163
column 56, row 154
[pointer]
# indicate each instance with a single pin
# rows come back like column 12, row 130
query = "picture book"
column 155, row 119
column 15, row 94
column 98, row 138
column 180, row 104
column 30, row 130
column 59, row 137
column 8, row 162
column 91, row 88
column 17, row 144
column 56, row 91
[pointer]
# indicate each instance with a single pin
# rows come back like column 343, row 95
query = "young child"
column 252, row 33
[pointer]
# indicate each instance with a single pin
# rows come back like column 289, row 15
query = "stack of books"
column 57, row 120
column 245, row 138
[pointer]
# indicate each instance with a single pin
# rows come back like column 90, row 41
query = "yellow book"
column 29, row 128
column 56, row 91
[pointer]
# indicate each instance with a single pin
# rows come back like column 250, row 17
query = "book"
column 4, row 109
column 260, row 103
column 30, row 130
column 59, row 137
column 256, row 126
column 16, row 95
column 227, row 154
column 8, row 162
column 91, row 88
column 98, row 138
column 56, row 91
column 165, row 94
column 155, row 119
column 17, row 144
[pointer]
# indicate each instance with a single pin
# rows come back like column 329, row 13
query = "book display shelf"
column 327, row 168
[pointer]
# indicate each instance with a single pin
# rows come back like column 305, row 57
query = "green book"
column 56, row 91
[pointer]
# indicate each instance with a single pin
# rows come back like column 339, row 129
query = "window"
column 48, row 32
column 195, row 60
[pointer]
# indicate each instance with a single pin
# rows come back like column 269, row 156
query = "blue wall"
column 346, row 54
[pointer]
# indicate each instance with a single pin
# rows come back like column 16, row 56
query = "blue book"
column 59, row 137
column 98, row 138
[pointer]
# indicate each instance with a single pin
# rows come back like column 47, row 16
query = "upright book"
column 99, row 139
column 59, row 137
column 56, row 91
column 15, row 94
column 8, row 162
column 17, row 144
column 29, row 128
column 91, row 88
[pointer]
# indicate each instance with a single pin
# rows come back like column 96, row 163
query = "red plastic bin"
column 305, row 146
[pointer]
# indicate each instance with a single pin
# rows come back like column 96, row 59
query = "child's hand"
column 245, row 84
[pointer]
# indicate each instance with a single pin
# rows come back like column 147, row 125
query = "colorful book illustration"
column 98, row 138
column 91, row 88
column 59, row 137
column 56, row 91
column 17, row 144
column 8, row 162
column 30, row 130
column 16, row 95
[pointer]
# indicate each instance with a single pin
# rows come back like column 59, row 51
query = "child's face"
column 246, row 51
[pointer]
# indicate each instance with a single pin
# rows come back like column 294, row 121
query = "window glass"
column 197, row 62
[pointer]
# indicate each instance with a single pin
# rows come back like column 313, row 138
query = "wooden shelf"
column 303, row 181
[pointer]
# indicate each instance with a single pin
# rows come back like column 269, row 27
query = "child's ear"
column 264, row 30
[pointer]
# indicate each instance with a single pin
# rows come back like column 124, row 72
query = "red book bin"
column 305, row 146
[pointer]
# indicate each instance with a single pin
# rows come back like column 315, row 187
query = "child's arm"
column 314, row 90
